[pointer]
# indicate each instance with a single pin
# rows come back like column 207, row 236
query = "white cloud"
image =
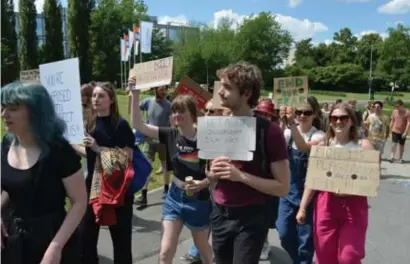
column 356, row 1
column 294, row 3
column 39, row 5
column 299, row 29
column 395, row 7
column 367, row 32
column 180, row 20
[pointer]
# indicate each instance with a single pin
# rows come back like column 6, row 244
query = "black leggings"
column 121, row 235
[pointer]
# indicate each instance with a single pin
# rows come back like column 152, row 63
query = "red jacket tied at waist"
column 112, row 177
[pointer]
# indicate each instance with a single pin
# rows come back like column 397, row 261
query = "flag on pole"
column 146, row 36
column 122, row 50
column 136, row 31
column 130, row 41
column 126, row 47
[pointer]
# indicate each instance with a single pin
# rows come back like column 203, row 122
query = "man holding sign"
column 244, row 188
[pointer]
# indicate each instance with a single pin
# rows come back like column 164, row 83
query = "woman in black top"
column 39, row 170
column 106, row 128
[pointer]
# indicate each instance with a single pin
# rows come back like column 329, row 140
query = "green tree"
column 345, row 43
column 9, row 55
column 304, row 54
column 27, row 35
column 109, row 21
column 369, row 46
column 53, row 47
column 262, row 41
column 79, row 20
column 395, row 55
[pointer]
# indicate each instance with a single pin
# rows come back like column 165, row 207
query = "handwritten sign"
column 230, row 136
column 290, row 91
column 154, row 73
column 344, row 170
column 62, row 80
column 188, row 86
column 30, row 76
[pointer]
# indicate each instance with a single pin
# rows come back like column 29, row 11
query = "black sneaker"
column 191, row 259
column 142, row 200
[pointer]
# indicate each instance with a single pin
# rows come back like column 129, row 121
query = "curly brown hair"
column 245, row 77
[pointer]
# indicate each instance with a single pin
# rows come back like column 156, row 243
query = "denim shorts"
column 193, row 212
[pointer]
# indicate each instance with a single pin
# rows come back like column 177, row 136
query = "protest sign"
column 152, row 74
column 290, row 91
column 344, row 170
column 62, row 81
column 230, row 136
column 188, row 86
column 30, row 76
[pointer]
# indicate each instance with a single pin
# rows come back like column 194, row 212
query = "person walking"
column 399, row 125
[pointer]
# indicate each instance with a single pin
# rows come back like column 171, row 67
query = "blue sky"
column 318, row 19
column 303, row 18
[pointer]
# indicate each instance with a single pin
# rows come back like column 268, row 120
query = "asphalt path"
column 388, row 236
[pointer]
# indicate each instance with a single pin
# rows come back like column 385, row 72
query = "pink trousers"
column 340, row 225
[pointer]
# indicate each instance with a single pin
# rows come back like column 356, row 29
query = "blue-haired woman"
column 39, row 170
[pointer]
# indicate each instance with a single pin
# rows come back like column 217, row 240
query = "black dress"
column 38, row 198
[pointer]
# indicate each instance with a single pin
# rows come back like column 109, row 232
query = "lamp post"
column 370, row 80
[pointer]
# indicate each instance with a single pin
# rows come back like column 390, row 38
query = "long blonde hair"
column 353, row 132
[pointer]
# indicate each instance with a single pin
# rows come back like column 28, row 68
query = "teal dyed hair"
column 44, row 124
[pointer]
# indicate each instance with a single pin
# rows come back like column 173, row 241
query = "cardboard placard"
column 30, row 75
column 62, row 81
column 290, row 91
column 344, row 170
column 152, row 74
column 230, row 136
column 188, row 86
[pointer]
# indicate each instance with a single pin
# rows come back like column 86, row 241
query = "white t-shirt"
column 314, row 133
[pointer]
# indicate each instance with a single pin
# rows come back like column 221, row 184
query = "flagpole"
column 122, row 84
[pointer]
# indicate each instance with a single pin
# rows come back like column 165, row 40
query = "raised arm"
column 136, row 120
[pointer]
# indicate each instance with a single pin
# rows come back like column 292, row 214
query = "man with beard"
column 158, row 111
column 240, row 218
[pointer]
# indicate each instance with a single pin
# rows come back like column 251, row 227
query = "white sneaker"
column 265, row 251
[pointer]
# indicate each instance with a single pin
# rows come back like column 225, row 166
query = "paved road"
column 387, row 240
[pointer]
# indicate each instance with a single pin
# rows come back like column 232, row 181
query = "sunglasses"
column 209, row 111
column 305, row 113
column 343, row 119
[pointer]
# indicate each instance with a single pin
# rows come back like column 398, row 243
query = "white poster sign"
column 230, row 136
column 146, row 36
column 62, row 81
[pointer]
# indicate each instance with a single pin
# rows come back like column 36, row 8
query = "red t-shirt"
column 235, row 194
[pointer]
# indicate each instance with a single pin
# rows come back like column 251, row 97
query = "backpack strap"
column 263, row 135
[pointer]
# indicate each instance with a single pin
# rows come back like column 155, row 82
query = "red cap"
column 266, row 106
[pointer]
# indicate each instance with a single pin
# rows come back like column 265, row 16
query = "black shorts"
column 398, row 138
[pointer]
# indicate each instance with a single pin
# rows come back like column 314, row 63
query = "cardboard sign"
column 30, row 76
column 188, row 86
column 290, row 91
column 344, row 170
column 154, row 73
column 216, row 99
column 62, row 81
column 230, row 136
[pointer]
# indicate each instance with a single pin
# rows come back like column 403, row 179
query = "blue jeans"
column 296, row 239
column 189, row 209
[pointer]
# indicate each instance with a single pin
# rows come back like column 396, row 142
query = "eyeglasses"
column 343, row 119
column 305, row 112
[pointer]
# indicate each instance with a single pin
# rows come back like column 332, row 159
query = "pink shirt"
column 400, row 121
